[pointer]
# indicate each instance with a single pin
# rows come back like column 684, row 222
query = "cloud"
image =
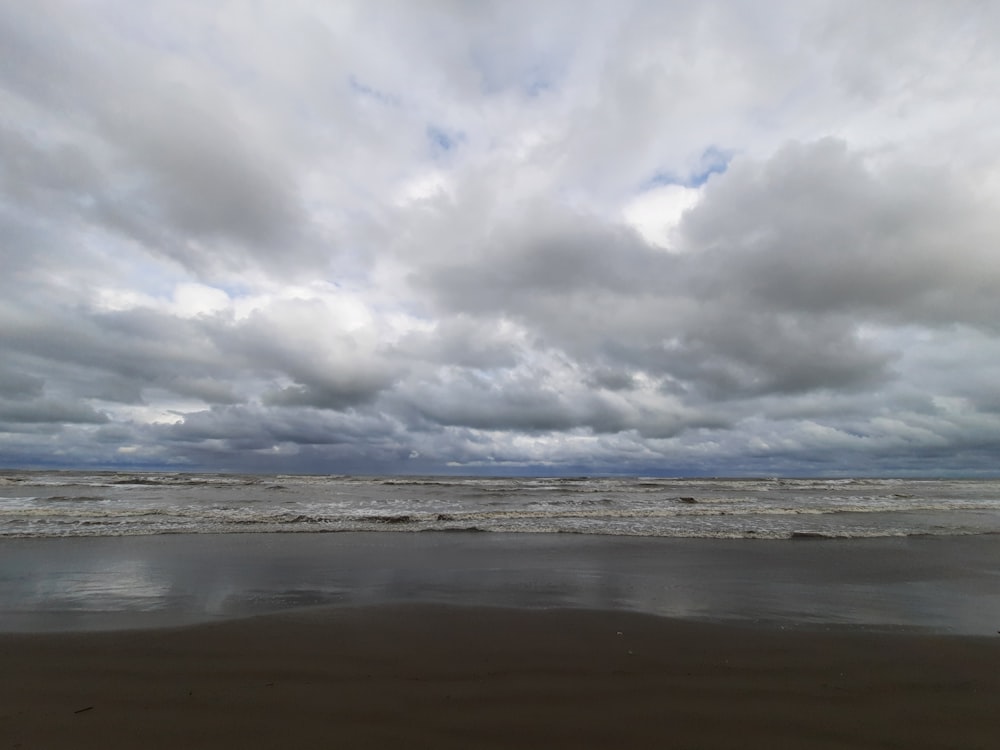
column 46, row 410
column 655, row 213
column 815, row 230
column 14, row 384
column 649, row 237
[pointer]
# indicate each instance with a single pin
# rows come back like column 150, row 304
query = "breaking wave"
column 57, row 504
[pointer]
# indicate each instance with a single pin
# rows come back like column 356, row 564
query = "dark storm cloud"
column 611, row 379
column 744, row 352
column 329, row 394
column 141, row 349
column 14, row 384
column 47, row 410
column 529, row 406
column 211, row 390
column 815, row 231
column 283, row 439
column 264, row 427
column 465, row 341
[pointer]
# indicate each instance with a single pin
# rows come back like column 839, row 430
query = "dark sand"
column 430, row 676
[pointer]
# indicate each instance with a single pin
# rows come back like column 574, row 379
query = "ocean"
column 106, row 550
column 84, row 504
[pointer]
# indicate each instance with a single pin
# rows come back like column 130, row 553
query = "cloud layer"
column 641, row 237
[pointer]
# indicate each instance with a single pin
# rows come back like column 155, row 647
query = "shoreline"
column 421, row 675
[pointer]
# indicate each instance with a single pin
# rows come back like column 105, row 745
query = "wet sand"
column 432, row 676
column 941, row 584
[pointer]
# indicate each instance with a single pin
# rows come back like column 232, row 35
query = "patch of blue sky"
column 370, row 92
column 538, row 81
column 442, row 141
column 713, row 161
column 499, row 74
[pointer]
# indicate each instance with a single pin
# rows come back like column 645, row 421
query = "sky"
column 561, row 237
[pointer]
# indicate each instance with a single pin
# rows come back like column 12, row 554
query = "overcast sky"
column 723, row 238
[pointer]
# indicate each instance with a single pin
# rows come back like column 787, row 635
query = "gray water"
column 68, row 504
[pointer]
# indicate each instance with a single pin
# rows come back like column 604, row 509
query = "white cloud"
column 656, row 213
column 191, row 300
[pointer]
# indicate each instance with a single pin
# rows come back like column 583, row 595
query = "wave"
column 117, row 503
column 121, row 479
column 73, row 499
column 122, row 528
column 98, row 507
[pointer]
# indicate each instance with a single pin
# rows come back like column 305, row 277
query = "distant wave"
column 39, row 504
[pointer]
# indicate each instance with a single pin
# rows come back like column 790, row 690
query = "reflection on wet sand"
column 939, row 583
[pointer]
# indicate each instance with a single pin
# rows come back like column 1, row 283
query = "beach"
column 473, row 640
column 940, row 584
column 432, row 676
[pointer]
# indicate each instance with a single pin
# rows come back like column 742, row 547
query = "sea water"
column 75, row 504
column 82, row 550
